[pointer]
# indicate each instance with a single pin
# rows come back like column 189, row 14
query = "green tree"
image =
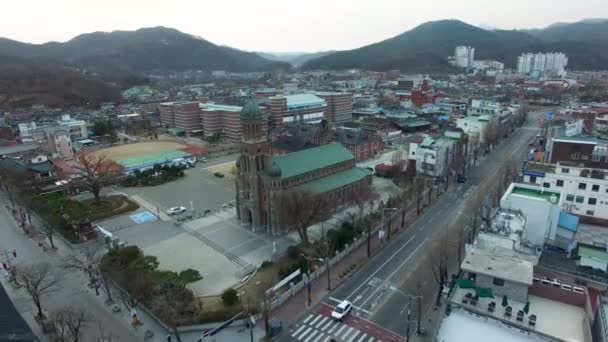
column 230, row 297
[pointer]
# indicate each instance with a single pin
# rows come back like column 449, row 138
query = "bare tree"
column 300, row 210
column 175, row 305
column 10, row 183
column 39, row 280
column 71, row 322
column 95, row 172
column 89, row 262
column 105, row 335
column 419, row 186
column 439, row 266
column 47, row 229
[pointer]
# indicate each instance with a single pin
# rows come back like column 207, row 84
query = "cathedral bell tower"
column 251, row 166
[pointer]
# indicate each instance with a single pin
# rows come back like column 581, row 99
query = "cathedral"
column 329, row 171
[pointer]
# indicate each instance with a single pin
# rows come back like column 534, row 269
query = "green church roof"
column 335, row 181
column 297, row 163
column 251, row 110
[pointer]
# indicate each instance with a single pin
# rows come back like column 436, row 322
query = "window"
column 595, row 188
column 592, row 201
column 559, row 182
column 575, row 156
column 590, row 212
column 585, row 158
column 596, row 158
column 569, row 198
column 532, row 179
column 580, row 199
column 582, row 186
column 498, row 282
column 565, row 170
column 546, row 185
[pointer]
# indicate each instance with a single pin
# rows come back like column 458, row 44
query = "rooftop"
column 297, row 163
column 11, row 322
column 464, row 326
column 212, row 107
column 335, row 181
column 537, row 194
column 499, row 266
column 304, row 100
column 559, row 320
column 593, row 253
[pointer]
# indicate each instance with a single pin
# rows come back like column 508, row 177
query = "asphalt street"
column 372, row 288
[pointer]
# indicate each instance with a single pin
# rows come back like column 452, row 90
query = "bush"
column 293, row 252
column 266, row 264
column 230, row 297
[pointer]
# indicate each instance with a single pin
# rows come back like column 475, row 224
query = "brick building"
column 182, row 115
column 327, row 171
column 307, row 108
column 222, row 119
column 339, row 107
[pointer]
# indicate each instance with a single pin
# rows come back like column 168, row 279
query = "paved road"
column 371, row 288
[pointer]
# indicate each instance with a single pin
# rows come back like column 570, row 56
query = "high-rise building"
column 464, row 56
column 553, row 63
column 339, row 106
column 183, row 115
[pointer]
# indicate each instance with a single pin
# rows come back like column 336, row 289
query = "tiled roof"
column 297, row 163
column 335, row 181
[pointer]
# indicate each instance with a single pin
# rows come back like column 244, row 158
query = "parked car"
column 461, row 179
column 342, row 310
column 219, row 175
column 176, row 210
column 203, row 160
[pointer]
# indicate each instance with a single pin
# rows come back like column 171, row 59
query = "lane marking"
column 350, row 329
column 314, row 333
column 308, row 318
column 321, row 322
column 340, row 330
column 396, row 270
column 304, row 333
column 381, row 266
column 333, row 328
column 362, row 337
column 298, row 331
column 352, row 338
column 319, row 337
column 331, row 321
column 312, row 323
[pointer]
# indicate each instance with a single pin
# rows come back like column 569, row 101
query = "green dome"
column 274, row 171
column 251, row 110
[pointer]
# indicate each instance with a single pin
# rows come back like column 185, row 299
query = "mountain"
column 293, row 58
column 140, row 51
column 24, row 83
column 426, row 47
column 584, row 30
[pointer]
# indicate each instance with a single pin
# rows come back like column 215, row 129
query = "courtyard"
column 209, row 236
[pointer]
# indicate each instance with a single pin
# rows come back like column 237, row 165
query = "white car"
column 176, row 210
column 341, row 310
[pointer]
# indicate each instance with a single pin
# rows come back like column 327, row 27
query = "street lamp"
column 409, row 311
column 390, row 210
column 251, row 321
column 309, row 285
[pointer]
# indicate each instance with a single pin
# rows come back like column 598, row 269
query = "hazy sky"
column 279, row 25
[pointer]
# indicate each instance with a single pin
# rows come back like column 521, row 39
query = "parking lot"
column 198, row 191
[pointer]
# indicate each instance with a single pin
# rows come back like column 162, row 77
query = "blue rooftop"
column 304, row 100
column 568, row 221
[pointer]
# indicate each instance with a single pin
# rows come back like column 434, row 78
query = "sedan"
column 176, row 210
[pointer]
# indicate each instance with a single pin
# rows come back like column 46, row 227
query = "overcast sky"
column 279, row 25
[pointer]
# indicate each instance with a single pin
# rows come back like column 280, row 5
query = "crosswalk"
column 319, row 328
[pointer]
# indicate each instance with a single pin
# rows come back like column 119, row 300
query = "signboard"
column 534, row 174
column 286, row 280
column 549, row 115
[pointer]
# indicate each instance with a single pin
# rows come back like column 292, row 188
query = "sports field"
column 131, row 151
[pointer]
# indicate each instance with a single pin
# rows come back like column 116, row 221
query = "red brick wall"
column 557, row 294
